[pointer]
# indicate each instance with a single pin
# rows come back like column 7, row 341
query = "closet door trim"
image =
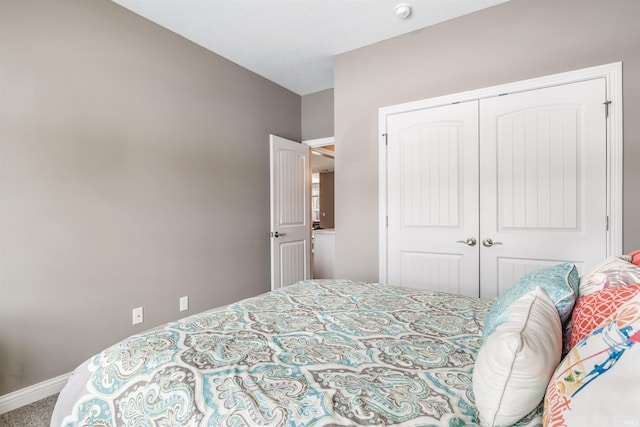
column 613, row 78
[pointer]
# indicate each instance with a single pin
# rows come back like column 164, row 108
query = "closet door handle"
column 469, row 242
column 278, row 234
column 488, row 243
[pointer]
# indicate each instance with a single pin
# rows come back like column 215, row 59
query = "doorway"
column 322, row 208
column 322, row 186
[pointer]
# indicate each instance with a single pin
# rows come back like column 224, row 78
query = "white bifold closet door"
column 482, row 192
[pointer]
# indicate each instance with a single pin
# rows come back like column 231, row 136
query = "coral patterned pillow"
column 596, row 384
column 595, row 309
column 635, row 257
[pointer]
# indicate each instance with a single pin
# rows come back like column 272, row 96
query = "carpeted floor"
column 37, row 414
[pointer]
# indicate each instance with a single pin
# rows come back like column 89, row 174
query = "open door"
column 290, row 200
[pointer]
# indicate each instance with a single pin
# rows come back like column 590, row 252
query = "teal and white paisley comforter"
column 317, row 353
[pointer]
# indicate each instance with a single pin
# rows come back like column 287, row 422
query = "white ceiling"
column 293, row 42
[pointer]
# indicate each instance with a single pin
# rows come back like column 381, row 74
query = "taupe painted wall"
column 134, row 170
column 317, row 115
column 514, row 41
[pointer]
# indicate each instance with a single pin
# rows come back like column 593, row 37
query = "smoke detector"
column 403, row 10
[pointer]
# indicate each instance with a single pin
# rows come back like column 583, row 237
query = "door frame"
column 320, row 142
column 612, row 73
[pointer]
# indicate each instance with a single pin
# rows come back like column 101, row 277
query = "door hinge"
column 606, row 109
column 606, row 223
column 386, row 142
column 387, row 221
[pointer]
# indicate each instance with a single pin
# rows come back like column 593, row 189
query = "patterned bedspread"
column 317, row 353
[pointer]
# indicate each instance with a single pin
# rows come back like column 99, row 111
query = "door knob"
column 278, row 234
column 488, row 243
column 469, row 242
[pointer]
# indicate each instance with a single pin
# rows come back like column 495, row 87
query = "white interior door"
column 290, row 212
column 432, row 199
column 543, row 181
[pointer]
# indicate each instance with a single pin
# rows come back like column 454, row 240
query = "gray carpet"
column 37, row 414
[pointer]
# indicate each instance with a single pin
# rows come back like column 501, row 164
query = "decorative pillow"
column 566, row 336
column 597, row 308
column 515, row 363
column 559, row 282
column 596, row 384
column 613, row 271
column 635, row 257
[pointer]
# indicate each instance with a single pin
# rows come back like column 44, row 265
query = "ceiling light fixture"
column 403, row 10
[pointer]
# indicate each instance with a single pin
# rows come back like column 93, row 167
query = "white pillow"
column 613, row 271
column 515, row 363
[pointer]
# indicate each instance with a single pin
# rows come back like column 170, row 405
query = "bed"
column 555, row 350
column 316, row 353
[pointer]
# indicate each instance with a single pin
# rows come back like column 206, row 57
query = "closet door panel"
column 543, row 181
column 537, row 160
column 432, row 199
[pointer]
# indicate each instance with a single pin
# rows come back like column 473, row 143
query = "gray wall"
column 317, row 115
column 134, row 170
column 514, row 41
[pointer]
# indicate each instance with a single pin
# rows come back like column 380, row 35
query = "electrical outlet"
column 184, row 303
column 138, row 316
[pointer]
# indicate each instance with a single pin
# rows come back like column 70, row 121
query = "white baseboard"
column 33, row 393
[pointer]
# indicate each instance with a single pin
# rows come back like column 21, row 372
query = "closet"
column 478, row 193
